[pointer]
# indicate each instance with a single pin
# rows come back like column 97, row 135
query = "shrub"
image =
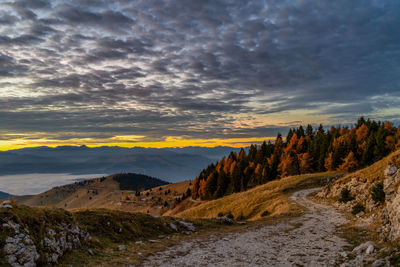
column 265, row 213
column 357, row 208
column 377, row 193
column 229, row 215
column 220, row 214
column 345, row 195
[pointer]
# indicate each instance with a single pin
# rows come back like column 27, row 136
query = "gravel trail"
column 308, row 240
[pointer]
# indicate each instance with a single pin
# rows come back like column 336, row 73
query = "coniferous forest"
column 305, row 150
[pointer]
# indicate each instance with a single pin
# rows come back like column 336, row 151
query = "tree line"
column 304, row 150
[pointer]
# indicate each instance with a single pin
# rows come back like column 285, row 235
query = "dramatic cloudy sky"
column 158, row 73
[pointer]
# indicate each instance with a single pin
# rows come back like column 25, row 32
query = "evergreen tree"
column 300, row 132
column 309, row 131
column 368, row 154
column 222, row 184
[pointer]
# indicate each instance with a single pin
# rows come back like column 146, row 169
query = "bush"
column 220, row 214
column 357, row 208
column 229, row 215
column 345, row 195
column 377, row 193
column 265, row 213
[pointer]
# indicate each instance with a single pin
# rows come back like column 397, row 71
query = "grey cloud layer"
column 163, row 68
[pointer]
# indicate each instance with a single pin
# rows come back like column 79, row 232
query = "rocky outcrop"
column 19, row 248
column 58, row 242
column 22, row 247
column 391, row 211
column 387, row 213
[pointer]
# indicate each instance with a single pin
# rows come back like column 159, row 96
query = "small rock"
column 7, row 206
column 343, row 254
column 173, row 227
column 363, row 247
column 360, row 214
column 378, row 263
column 153, row 241
column 139, row 242
column 187, row 225
column 90, row 251
column 242, row 223
column 155, row 216
column 121, row 248
column 370, row 249
column 5, row 202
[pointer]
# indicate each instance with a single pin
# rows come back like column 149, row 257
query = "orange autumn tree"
column 304, row 151
column 305, row 162
column 289, row 164
column 329, row 162
column 350, row 163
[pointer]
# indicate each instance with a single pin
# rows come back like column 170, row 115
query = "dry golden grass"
column 106, row 194
column 271, row 197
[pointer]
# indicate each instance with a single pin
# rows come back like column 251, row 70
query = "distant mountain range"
column 170, row 164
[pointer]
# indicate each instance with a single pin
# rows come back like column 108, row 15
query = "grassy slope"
column 108, row 229
column 36, row 220
column 271, row 197
column 108, row 195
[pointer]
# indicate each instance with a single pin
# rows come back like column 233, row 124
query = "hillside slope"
column 373, row 194
column 117, row 192
column 268, row 199
column 32, row 236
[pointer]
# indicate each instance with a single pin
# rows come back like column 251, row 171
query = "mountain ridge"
column 171, row 164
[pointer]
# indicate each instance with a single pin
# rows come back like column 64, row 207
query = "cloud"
column 195, row 68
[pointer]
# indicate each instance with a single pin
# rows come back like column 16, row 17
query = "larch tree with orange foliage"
column 350, row 163
column 329, row 166
column 305, row 162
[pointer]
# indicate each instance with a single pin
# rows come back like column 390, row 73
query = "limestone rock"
column 379, row 263
column 390, row 170
column 363, row 247
column 370, row 249
column 121, row 248
column 20, row 250
column 187, row 225
column 173, row 227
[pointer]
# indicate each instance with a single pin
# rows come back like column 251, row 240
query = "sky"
column 180, row 73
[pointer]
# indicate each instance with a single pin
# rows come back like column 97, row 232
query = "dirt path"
column 307, row 240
